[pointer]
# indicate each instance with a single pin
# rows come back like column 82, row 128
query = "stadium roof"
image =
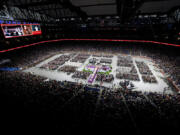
column 97, row 7
column 69, row 8
column 162, row 6
column 85, row 8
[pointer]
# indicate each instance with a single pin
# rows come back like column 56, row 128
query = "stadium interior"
column 90, row 66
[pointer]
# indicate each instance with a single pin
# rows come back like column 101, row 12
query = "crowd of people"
column 107, row 55
column 149, row 79
column 73, row 107
column 146, row 73
column 68, row 69
column 124, row 61
column 127, row 70
column 53, row 65
column 93, row 61
column 170, row 66
column 81, row 75
column 143, row 68
column 105, row 78
column 106, row 61
column 80, row 58
column 72, row 104
column 126, row 76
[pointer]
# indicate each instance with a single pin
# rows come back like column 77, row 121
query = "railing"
column 105, row 40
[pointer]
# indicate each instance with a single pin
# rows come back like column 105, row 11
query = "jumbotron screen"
column 19, row 30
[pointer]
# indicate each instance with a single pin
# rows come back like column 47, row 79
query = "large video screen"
column 18, row 30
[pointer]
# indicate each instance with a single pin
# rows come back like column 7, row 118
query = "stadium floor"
column 160, row 86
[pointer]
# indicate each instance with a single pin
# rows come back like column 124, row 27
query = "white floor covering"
column 139, row 85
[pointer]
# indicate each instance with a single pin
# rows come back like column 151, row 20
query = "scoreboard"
column 19, row 30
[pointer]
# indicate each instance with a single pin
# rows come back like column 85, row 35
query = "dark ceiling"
column 85, row 8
